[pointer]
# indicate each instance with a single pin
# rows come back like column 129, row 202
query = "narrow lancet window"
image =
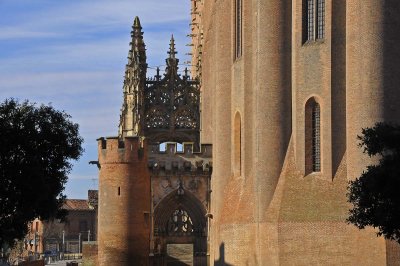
column 238, row 28
column 316, row 138
column 312, row 132
column 310, row 20
column 321, row 19
column 237, row 145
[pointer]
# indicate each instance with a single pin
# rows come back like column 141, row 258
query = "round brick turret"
column 124, row 202
column 373, row 75
column 273, row 96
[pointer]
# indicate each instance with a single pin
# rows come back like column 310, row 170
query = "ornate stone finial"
column 172, row 51
column 172, row 61
column 136, row 23
column 136, row 32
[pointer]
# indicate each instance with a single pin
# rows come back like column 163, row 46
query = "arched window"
column 312, row 137
column 237, row 135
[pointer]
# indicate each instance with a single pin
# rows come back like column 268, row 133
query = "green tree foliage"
column 37, row 144
column 375, row 195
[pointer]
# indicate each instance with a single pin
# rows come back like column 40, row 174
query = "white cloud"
column 52, row 83
column 78, row 17
column 7, row 33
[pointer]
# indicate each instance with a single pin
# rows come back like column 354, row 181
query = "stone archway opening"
column 180, row 230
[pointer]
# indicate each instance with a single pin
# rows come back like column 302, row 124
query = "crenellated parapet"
column 116, row 150
column 184, row 161
column 170, row 160
column 182, row 171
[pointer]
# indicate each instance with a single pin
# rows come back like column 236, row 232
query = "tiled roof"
column 76, row 205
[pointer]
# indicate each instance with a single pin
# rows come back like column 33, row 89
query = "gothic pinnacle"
column 137, row 34
column 137, row 44
column 172, row 51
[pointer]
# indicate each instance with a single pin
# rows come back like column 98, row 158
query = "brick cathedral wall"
column 310, row 215
column 287, row 217
column 218, row 84
column 305, row 225
column 328, row 243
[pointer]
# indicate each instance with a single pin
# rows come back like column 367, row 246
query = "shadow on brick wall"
column 221, row 261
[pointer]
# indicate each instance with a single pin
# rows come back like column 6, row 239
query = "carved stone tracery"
column 171, row 105
column 180, row 223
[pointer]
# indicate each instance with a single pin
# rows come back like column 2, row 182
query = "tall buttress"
column 134, row 84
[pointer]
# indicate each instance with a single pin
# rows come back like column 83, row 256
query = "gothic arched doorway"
column 180, row 230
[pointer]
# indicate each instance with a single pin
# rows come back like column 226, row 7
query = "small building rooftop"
column 77, row 205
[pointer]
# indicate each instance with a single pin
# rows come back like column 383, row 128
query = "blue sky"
column 72, row 54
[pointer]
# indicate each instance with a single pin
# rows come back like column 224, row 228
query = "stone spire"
column 134, row 83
